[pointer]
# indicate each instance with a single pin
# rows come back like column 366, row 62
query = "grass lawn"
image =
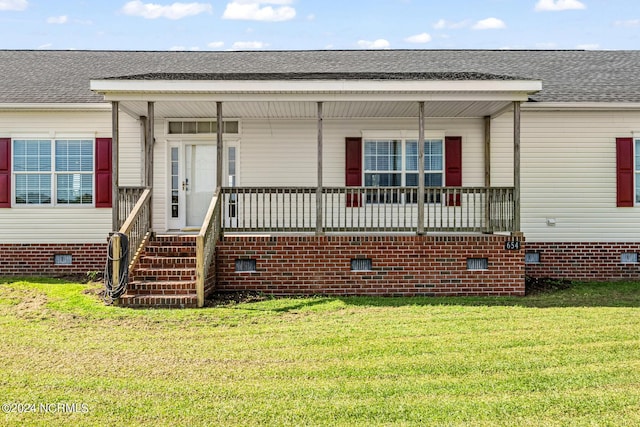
column 570, row 357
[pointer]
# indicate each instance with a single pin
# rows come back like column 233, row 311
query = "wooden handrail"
column 206, row 243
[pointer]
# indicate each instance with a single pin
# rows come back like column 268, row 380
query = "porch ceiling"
column 308, row 109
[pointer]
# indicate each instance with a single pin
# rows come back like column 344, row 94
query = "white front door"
column 192, row 183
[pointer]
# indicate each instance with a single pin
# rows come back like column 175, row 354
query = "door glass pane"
column 174, row 183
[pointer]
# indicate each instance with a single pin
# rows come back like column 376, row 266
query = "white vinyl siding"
column 568, row 174
column 62, row 223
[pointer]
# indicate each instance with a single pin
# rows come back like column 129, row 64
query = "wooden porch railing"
column 127, row 199
column 136, row 226
column 368, row 209
column 206, row 244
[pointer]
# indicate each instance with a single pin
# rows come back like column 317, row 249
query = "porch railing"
column 127, row 199
column 368, row 209
column 206, row 244
column 137, row 224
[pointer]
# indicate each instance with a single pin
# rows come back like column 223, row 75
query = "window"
column 394, row 163
column 56, row 172
column 201, row 127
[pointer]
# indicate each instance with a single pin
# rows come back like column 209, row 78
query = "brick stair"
column 165, row 276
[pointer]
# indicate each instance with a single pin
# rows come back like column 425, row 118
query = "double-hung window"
column 394, row 163
column 53, row 172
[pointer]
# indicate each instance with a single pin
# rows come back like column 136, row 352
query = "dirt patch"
column 230, row 298
column 538, row 285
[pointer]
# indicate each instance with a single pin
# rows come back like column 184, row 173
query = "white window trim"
column 53, row 137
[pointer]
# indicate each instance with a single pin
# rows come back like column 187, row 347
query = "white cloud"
column 45, row 46
column 58, row 19
column 588, row 46
column 173, row 11
column 419, row 38
column 254, row 11
column 489, row 24
column 13, row 4
column 628, row 23
column 215, row 45
column 558, row 5
column 443, row 24
column 249, row 45
column 376, row 44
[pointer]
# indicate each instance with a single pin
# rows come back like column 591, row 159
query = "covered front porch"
column 369, row 202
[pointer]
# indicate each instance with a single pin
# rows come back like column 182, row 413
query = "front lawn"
column 570, row 357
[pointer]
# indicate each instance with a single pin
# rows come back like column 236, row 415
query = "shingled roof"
column 567, row 76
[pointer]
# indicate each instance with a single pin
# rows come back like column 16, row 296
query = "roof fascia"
column 580, row 106
column 330, row 88
column 45, row 106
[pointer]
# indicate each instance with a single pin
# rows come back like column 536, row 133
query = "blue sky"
column 319, row 24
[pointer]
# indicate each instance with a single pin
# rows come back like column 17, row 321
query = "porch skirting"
column 589, row 261
column 39, row 259
column 428, row 265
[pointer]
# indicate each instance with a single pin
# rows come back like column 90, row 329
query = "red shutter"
column 353, row 169
column 5, row 172
column 624, row 175
column 103, row 172
column 453, row 166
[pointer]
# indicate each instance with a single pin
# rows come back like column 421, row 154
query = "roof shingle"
column 567, row 76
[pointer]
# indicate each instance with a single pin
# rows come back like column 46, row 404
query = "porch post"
column 115, row 132
column 516, row 166
column 151, row 140
column 487, row 173
column 219, row 148
column 421, row 167
column 319, row 225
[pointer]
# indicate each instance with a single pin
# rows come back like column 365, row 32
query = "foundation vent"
column 477, row 263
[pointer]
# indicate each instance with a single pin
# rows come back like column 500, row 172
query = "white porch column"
column 219, row 147
column 516, row 166
column 421, row 167
column 115, row 133
column 319, row 220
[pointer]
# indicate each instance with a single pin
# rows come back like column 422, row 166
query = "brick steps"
column 165, row 276
column 159, row 301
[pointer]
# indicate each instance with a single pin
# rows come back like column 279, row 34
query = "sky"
column 319, row 24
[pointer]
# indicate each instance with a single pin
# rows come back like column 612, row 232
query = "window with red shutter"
column 453, row 166
column 103, row 172
column 5, row 172
column 625, row 172
column 353, row 169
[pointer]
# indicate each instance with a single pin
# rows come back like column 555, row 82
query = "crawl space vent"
column 245, row 265
column 477, row 264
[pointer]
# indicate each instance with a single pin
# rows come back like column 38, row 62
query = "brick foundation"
column 401, row 265
column 583, row 261
column 38, row 259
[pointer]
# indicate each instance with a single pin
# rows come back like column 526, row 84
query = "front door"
column 192, row 182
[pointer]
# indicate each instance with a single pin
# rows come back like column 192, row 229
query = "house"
column 395, row 172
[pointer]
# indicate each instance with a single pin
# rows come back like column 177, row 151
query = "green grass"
column 566, row 358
